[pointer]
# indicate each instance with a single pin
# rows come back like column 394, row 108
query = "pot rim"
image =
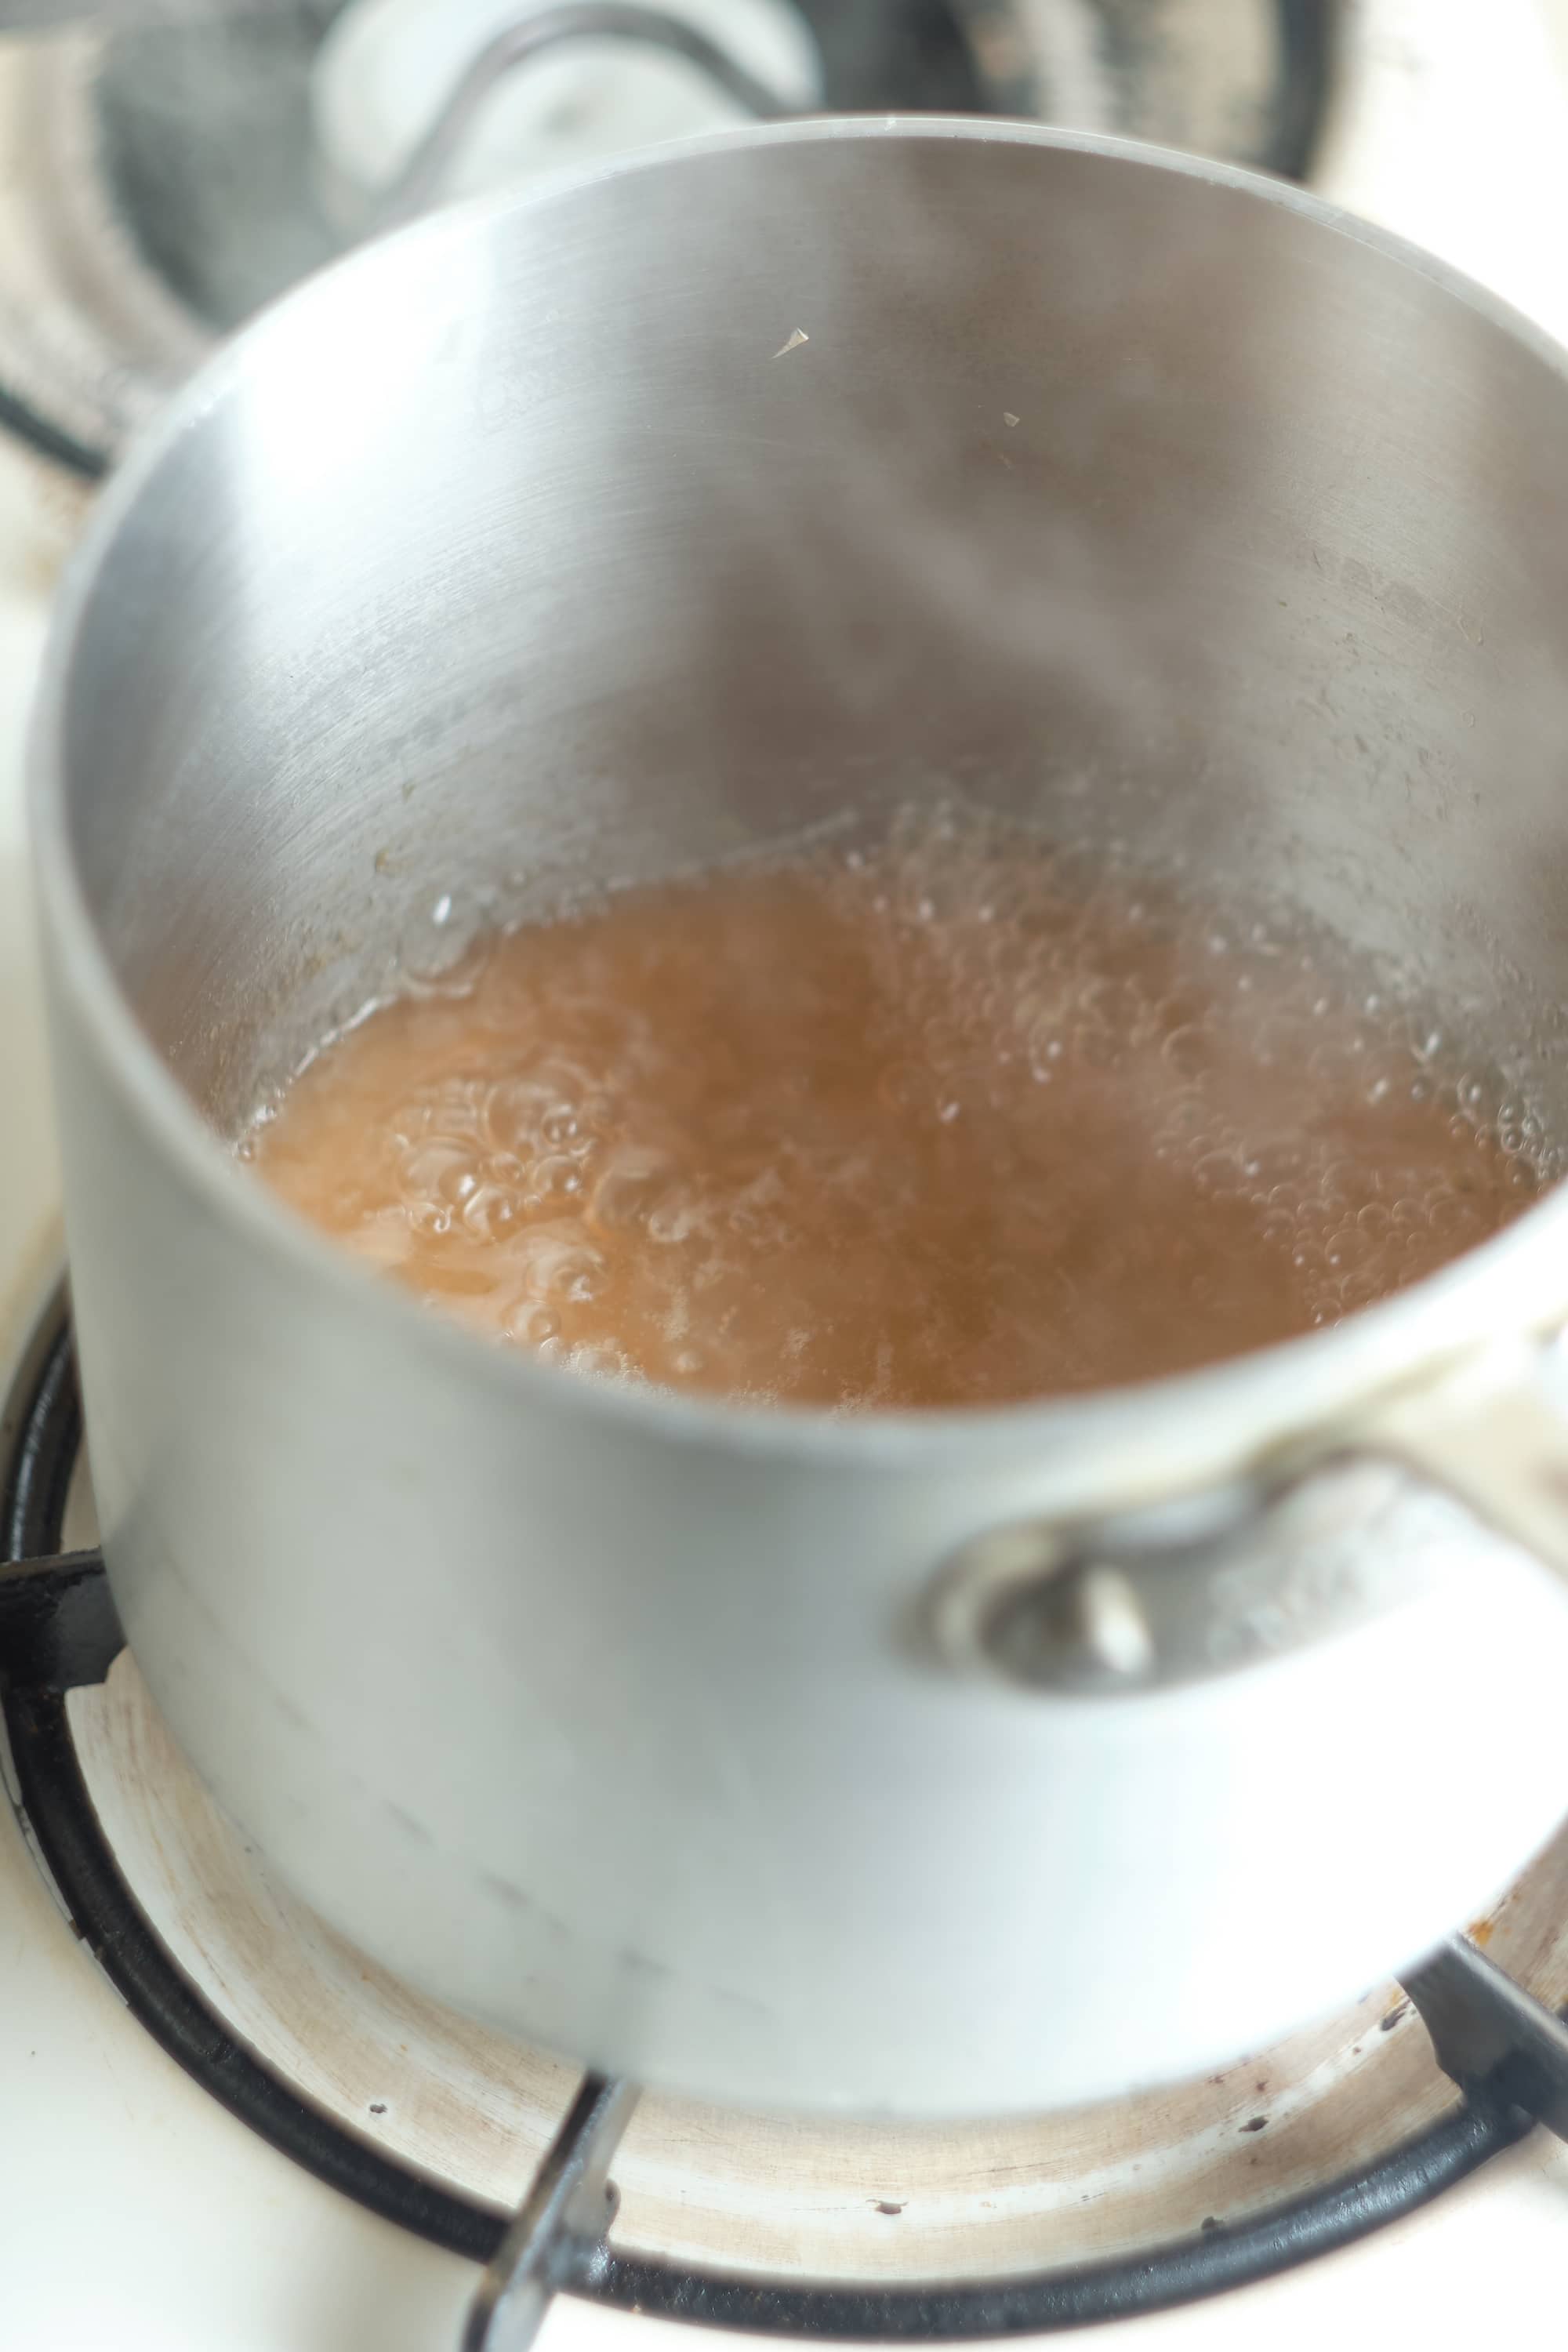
column 1160, row 1435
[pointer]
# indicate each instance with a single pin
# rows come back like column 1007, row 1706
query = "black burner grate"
column 59, row 1630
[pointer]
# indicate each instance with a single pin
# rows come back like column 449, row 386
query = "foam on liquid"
column 941, row 1123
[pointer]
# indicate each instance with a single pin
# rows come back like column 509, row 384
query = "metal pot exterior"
column 511, row 553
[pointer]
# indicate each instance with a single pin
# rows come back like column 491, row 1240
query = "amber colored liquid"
column 933, row 1124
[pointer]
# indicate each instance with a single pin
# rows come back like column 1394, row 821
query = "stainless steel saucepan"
column 926, row 1764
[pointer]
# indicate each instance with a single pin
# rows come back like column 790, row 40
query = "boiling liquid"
column 932, row 1124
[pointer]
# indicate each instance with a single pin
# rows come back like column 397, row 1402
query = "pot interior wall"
column 527, row 551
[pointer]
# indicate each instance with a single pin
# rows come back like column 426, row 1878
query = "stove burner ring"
column 58, row 1631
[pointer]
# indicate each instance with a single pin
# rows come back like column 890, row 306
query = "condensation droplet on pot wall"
column 436, row 938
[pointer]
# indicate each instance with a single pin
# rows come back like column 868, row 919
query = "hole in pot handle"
column 1491, row 1432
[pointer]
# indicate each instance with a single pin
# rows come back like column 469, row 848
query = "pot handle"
column 1126, row 1607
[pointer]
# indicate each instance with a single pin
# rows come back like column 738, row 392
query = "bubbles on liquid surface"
column 952, row 1116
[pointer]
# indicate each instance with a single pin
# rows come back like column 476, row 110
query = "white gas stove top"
column 134, row 2211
